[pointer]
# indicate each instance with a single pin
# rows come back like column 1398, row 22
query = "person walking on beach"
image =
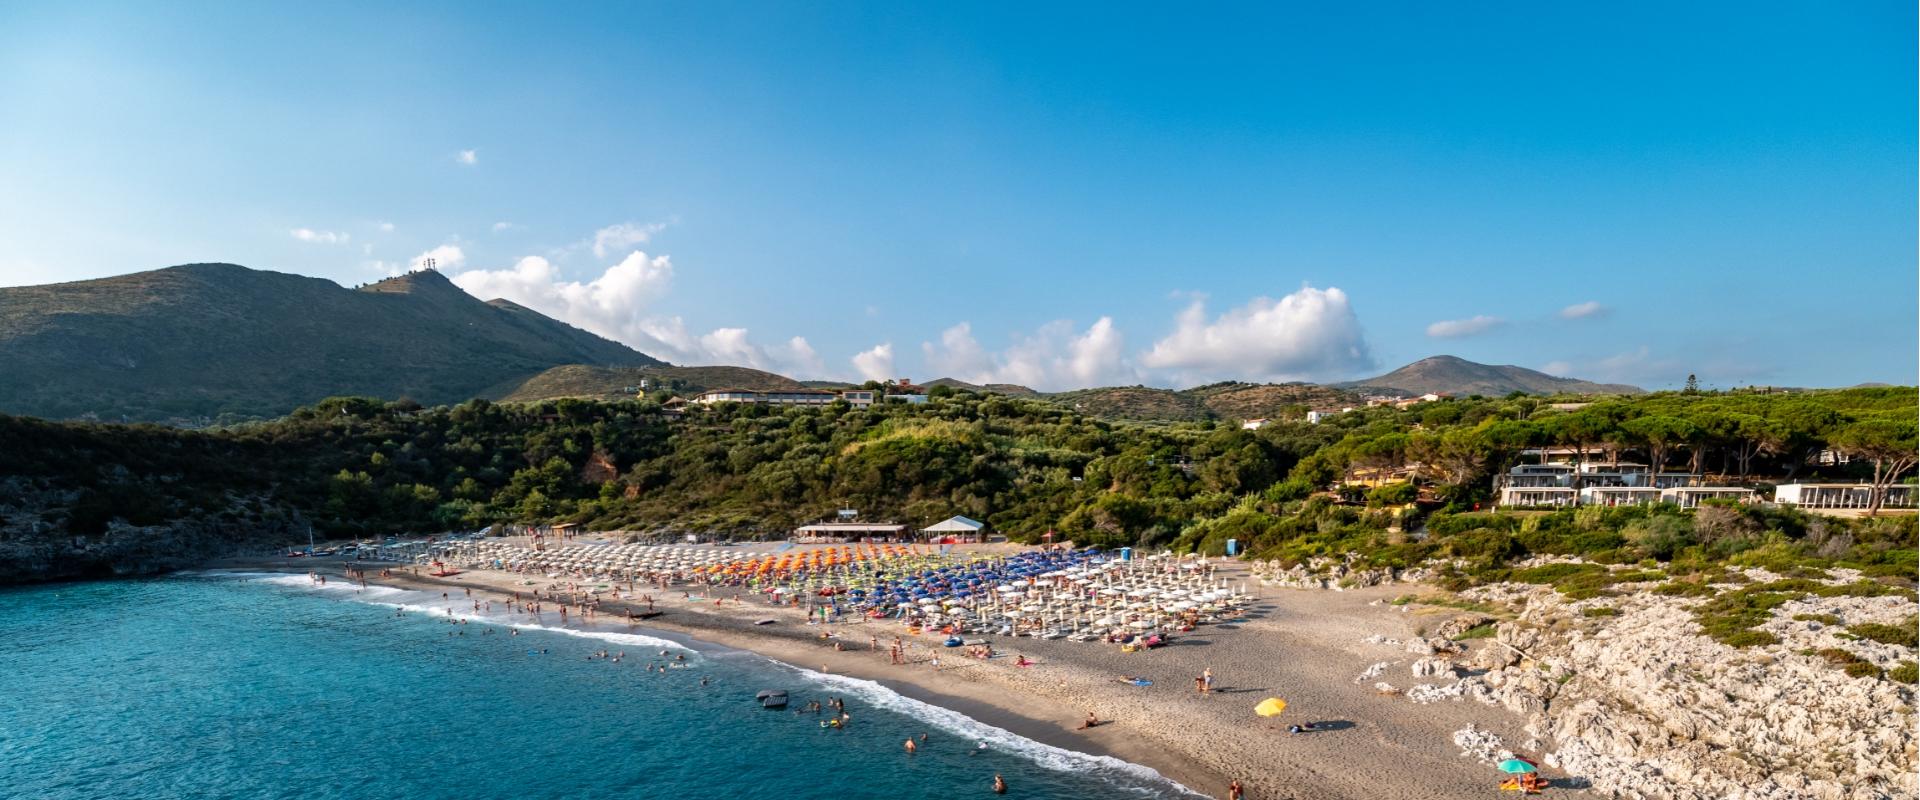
column 1206, row 681
column 1234, row 792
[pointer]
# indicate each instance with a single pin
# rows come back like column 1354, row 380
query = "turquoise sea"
column 206, row 686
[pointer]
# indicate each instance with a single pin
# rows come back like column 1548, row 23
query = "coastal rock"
column 1481, row 745
column 1432, row 667
column 1372, row 672
column 1451, row 629
column 1642, row 705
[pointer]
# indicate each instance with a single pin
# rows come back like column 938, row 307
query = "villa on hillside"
column 1841, row 496
column 1605, row 483
column 785, row 397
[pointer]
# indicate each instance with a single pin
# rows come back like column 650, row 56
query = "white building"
column 1619, row 495
column 1604, row 484
column 784, row 397
column 1692, row 496
column 959, row 529
column 1841, row 495
column 1257, row 424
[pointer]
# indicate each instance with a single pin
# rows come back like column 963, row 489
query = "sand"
column 1301, row 645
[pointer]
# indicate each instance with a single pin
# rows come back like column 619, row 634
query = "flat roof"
column 849, row 527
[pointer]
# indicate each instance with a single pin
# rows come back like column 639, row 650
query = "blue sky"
column 1076, row 195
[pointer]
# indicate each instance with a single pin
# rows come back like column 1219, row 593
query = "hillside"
column 581, row 380
column 1230, row 400
column 1460, row 377
column 204, row 341
column 1008, row 389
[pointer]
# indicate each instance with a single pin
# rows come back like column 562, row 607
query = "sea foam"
column 954, row 722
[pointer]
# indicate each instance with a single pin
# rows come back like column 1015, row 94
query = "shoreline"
column 1038, row 718
column 1301, row 645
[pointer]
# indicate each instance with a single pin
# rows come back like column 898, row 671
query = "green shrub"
column 1825, row 619
column 1600, row 611
column 1863, row 669
column 1684, row 589
column 1906, row 672
column 1481, row 631
column 1905, row 635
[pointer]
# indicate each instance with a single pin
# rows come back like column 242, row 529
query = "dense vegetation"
column 353, row 466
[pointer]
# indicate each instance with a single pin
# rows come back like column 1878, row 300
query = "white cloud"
column 1056, row 356
column 320, row 237
column 1458, row 328
column 445, row 257
column 623, row 235
column 366, row 249
column 1558, row 369
column 468, row 157
column 502, row 227
column 1310, row 333
column 1591, row 308
column 618, row 304
column 876, row 364
column 385, row 227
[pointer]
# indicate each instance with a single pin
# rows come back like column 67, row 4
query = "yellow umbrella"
column 1270, row 707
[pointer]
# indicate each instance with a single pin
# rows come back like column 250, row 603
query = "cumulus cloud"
column 1310, row 333
column 468, row 157
column 1591, row 308
column 619, row 304
column 607, row 305
column 1458, row 328
column 623, row 235
column 320, row 237
column 876, row 364
column 502, row 227
column 385, row 227
column 1057, row 356
column 445, row 257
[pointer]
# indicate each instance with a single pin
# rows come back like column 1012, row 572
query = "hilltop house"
column 785, row 397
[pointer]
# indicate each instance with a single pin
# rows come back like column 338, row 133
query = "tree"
column 1693, row 385
column 1890, row 444
column 1660, row 434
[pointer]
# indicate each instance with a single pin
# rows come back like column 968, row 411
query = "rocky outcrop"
column 37, row 546
column 1334, row 574
column 1642, row 705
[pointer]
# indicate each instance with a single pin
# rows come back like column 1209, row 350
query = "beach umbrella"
column 1516, row 766
column 1270, row 707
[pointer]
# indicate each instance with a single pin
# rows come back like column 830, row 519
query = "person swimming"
column 999, row 784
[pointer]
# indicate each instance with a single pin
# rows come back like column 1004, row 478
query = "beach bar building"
column 849, row 532
column 956, row 530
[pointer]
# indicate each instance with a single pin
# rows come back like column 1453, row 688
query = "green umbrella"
column 1516, row 765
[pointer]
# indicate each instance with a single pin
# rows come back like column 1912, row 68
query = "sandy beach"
column 1305, row 646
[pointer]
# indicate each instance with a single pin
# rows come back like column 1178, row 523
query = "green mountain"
column 1458, row 376
column 199, row 342
column 580, row 380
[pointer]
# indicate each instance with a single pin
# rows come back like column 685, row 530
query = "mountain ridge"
column 201, row 342
column 1453, row 375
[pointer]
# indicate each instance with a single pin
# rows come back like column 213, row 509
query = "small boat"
column 772, row 698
